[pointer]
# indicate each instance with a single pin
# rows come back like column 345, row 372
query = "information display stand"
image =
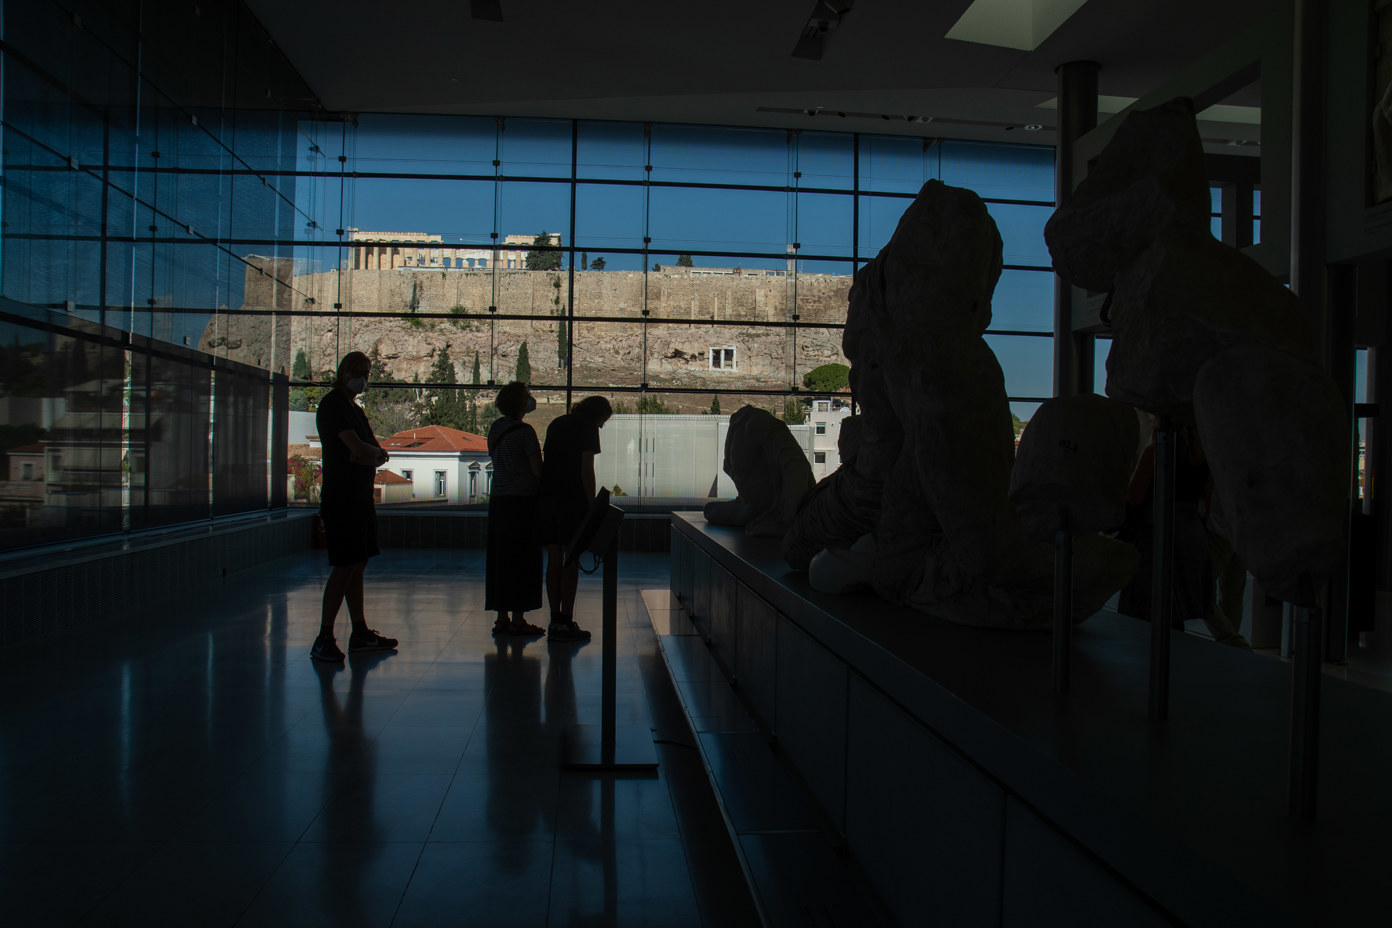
column 607, row 747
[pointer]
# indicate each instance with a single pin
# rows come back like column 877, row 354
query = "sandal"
column 502, row 627
column 523, row 627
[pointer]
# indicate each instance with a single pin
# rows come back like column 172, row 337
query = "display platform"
column 963, row 787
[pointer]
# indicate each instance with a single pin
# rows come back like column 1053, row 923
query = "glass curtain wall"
column 681, row 271
column 186, row 236
column 151, row 220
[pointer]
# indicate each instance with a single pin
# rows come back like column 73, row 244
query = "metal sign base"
column 632, row 750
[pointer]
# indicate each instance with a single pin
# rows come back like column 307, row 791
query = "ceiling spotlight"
column 826, row 16
column 1033, row 127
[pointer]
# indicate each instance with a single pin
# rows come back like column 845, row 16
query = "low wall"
column 970, row 795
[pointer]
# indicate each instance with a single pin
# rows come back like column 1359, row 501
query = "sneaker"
column 567, row 631
column 369, row 640
column 326, row 649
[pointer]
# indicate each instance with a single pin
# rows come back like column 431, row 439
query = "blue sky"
column 460, row 200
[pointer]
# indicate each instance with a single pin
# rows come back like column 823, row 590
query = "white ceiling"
column 721, row 63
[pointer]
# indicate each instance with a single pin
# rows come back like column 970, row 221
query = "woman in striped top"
column 513, row 579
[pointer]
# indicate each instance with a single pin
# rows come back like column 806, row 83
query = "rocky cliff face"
column 687, row 313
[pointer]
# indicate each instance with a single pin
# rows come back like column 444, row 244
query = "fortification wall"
column 678, row 354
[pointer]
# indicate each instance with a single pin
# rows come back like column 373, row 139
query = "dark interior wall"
column 148, row 152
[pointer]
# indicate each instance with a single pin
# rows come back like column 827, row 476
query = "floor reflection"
column 350, row 767
column 193, row 766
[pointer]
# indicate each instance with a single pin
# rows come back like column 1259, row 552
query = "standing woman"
column 351, row 458
column 513, row 579
column 567, row 489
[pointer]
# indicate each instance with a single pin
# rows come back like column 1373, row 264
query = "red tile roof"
column 39, row 449
column 436, row 438
column 387, row 477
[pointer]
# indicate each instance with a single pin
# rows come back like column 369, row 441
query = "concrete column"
column 1077, row 114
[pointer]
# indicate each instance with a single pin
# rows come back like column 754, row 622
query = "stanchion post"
column 1162, row 571
column 1063, row 603
column 609, row 673
column 1303, row 781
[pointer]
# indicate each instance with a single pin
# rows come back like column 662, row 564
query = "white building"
column 681, row 457
column 444, row 466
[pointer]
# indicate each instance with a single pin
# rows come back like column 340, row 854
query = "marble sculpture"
column 770, row 472
column 929, row 469
column 1204, row 334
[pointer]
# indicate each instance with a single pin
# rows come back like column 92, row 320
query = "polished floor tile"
column 190, row 765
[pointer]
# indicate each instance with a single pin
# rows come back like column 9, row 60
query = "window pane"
column 824, row 224
column 712, row 155
column 1024, row 300
column 1022, row 233
column 425, row 145
column 536, row 148
column 456, row 211
column 525, row 211
column 1007, row 172
column 611, row 151
column 607, row 216
column 532, row 293
column 719, row 220
column 826, row 159
column 878, row 217
column 607, row 355
column 715, row 357
column 1102, row 347
column 1028, row 364
column 609, row 291
column 891, row 164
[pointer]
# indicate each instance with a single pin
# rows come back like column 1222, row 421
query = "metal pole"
column 1302, row 784
column 1077, row 115
column 610, row 652
column 1162, row 572
column 1063, row 603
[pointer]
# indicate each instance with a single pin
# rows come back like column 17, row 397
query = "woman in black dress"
column 513, row 578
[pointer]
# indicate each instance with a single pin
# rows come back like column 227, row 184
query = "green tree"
column 444, row 405
column 584, row 260
column 656, row 266
column 299, row 370
column 715, row 406
column 473, row 413
column 793, row 413
column 597, row 264
column 524, row 365
column 487, row 416
column 652, row 406
column 414, row 304
column 543, row 260
column 829, row 378
column 562, row 342
column 684, row 261
column 389, row 410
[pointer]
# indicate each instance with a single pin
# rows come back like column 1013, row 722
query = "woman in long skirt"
column 513, row 580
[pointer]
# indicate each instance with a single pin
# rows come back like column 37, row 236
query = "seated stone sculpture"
column 1076, row 455
column 770, row 471
column 929, row 478
column 1202, row 333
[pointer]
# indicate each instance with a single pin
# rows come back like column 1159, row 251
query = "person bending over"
column 567, row 489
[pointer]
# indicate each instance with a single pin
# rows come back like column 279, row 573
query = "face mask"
column 531, row 404
column 357, row 385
